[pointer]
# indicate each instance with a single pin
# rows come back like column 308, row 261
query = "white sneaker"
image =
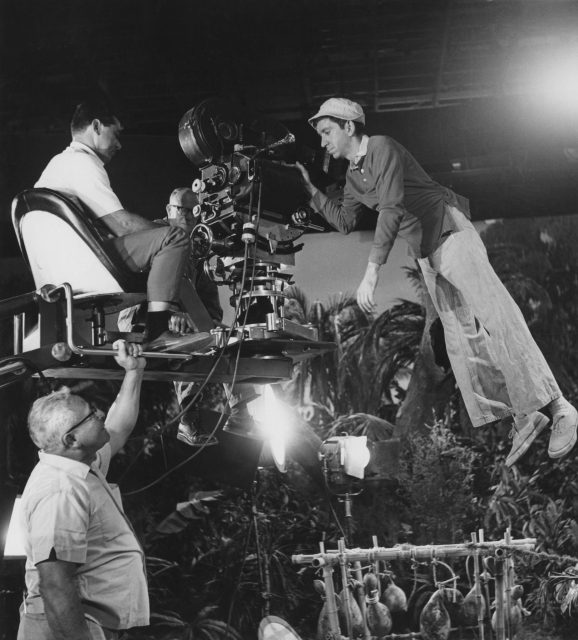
column 524, row 431
column 563, row 437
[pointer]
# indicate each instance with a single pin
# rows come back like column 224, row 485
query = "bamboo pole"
column 499, row 595
column 361, row 597
column 330, row 602
column 345, row 592
column 478, row 587
column 508, row 588
column 486, row 576
column 410, row 552
column 376, row 567
column 417, row 635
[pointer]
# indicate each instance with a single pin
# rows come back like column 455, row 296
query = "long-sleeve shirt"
column 387, row 179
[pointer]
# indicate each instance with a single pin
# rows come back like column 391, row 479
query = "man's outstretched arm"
column 123, row 414
column 343, row 217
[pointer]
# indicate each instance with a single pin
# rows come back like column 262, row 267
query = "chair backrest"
column 62, row 242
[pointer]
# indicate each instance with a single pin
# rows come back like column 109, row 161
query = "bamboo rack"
column 411, row 552
column 477, row 549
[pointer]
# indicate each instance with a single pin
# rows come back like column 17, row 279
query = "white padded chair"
column 61, row 241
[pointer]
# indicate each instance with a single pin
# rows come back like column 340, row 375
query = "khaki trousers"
column 34, row 626
column 498, row 366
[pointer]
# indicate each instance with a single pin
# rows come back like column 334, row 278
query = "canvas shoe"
column 525, row 430
column 188, row 343
column 563, row 437
column 188, row 433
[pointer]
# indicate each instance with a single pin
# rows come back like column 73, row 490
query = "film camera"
column 247, row 193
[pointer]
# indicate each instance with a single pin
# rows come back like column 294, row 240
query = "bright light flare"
column 274, row 421
column 14, row 547
column 555, row 80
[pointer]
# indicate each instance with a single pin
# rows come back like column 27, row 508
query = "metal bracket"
column 88, row 351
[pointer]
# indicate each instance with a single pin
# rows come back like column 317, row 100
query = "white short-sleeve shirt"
column 71, row 513
column 79, row 172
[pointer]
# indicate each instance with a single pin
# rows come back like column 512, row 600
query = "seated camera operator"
column 79, row 171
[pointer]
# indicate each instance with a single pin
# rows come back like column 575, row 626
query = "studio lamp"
column 14, row 547
column 10, row 533
column 273, row 420
column 344, row 459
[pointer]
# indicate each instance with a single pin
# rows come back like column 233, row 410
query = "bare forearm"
column 123, row 414
column 372, row 273
column 124, row 222
column 366, row 290
column 63, row 609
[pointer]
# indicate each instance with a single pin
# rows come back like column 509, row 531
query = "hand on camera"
column 306, row 178
column 300, row 217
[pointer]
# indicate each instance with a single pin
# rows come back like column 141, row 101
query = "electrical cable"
column 235, row 318
column 335, row 516
column 238, row 580
column 201, row 447
column 29, row 364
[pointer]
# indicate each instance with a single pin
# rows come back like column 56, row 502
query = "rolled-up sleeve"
column 386, row 169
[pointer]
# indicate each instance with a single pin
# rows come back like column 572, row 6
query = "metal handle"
column 87, row 351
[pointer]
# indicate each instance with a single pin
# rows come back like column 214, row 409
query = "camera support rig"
column 246, row 196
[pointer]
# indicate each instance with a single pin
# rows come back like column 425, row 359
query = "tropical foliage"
column 219, row 557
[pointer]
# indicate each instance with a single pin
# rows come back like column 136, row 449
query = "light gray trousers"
column 34, row 626
column 498, row 366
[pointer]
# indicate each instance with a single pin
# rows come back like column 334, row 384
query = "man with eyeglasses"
column 180, row 213
column 85, row 571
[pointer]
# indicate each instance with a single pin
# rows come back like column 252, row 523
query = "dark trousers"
column 163, row 252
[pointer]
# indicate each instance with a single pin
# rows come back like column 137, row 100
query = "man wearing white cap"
column 498, row 367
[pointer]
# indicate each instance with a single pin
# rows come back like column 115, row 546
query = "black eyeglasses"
column 92, row 412
column 183, row 210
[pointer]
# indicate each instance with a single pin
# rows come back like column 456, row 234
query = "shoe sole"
column 539, row 426
column 199, row 346
column 562, row 452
